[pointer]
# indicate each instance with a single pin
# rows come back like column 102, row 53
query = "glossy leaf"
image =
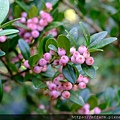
column 53, row 44
column 52, row 47
column 8, row 32
column 38, row 84
column 19, row 78
column 96, row 38
column 95, row 50
column 105, row 42
column 25, row 49
column 9, row 23
column 92, row 101
column 18, row 24
column 76, row 98
column 89, row 70
column 70, row 73
column 33, row 60
column 73, row 36
column 1, row 89
column 33, row 12
column 63, row 42
column 2, row 53
column 85, row 33
column 4, row 8
column 42, row 43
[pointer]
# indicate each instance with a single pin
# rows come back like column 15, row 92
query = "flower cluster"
column 60, row 86
column 86, row 110
column 36, row 24
column 2, row 38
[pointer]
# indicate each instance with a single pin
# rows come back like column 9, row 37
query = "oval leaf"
column 4, row 8
column 2, row 53
column 52, row 42
column 8, row 32
column 96, row 38
column 70, row 73
column 89, row 70
column 76, row 98
column 63, row 42
column 33, row 12
column 25, row 49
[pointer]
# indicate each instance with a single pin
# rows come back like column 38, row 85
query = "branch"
column 4, row 74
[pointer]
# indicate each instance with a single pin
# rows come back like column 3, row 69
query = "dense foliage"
column 58, row 56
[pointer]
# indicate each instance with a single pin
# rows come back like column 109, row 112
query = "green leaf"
column 17, row 11
column 42, row 43
column 22, row 5
column 18, row 24
column 12, row 67
column 63, row 42
column 9, row 23
column 105, row 42
column 19, row 78
column 33, row 60
column 8, row 32
column 4, row 8
column 76, row 98
column 92, row 101
column 94, row 50
column 53, row 45
column 96, row 38
column 25, row 49
column 70, row 73
column 1, row 89
column 85, row 33
column 33, row 12
column 89, row 70
column 38, row 84
column 73, row 36
column 2, row 53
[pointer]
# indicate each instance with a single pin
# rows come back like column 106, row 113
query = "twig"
column 4, row 74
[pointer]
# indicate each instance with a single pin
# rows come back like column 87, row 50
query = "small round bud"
column 26, row 64
column 37, row 69
column 80, row 78
column 52, row 86
column 42, row 62
column 48, row 5
column 61, row 52
column 44, row 69
column 64, row 59
column 35, row 20
column 35, row 34
column 85, row 80
column 67, row 85
column 72, row 50
column 54, row 94
column 82, row 49
column 76, row 54
column 86, row 54
column 89, row 61
column 82, row 85
column 24, row 14
column 73, row 59
column 75, row 88
column 47, row 56
column 97, row 110
column 43, row 22
column 22, row 19
column 66, row 94
column 2, row 38
column 80, row 59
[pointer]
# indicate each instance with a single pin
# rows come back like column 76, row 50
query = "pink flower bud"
column 37, row 69
column 80, row 78
column 56, row 81
column 61, row 77
column 22, row 19
column 73, row 59
column 86, row 54
column 43, row 22
column 44, row 69
column 32, row 26
column 67, row 85
column 52, row 86
column 52, row 52
column 76, row 54
column 66, row 94
column 80, row 59
column 97, row 110
column 75, row 88
column 26, row 64
column 60, row 88
column 54, row 94
column 64, row 59
column 40, row 28
column 85, row 80
column 86, row 106
column 2, row 38
column 49, row 18
column 82, row 85
column 35, row 34
column 72, row 50
column 47, row 56
column 42, row 62
column 24, row 14
column 44, row 15
column 61, row 52
column 48, row 5
column 41, row 106
column 82, row 49
column 20, row 56
column 35, row 20
column 29, row 21
column 27, row 35
column 89, row 61
column 56, row 62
